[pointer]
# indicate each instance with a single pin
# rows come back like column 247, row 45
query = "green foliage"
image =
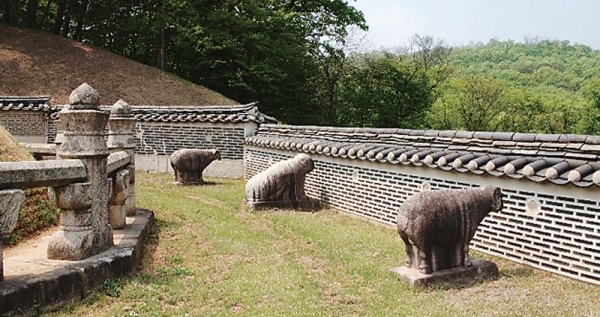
column 37, row 213
column 540, row 86
column 112, row 288
column 293, row 57
column 392, row 90
column 254, row 50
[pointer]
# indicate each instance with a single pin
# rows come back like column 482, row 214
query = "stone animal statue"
column 189, row 164
column 437, row 226
column 282, row 185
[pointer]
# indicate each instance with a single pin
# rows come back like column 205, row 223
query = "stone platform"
column 33, row 282
column 480, row 270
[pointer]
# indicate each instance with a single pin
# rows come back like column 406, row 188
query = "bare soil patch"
column 34, row 62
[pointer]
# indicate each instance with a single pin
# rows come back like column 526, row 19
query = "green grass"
column 210, row 257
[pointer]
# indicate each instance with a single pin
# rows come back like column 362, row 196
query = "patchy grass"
column 210, row 257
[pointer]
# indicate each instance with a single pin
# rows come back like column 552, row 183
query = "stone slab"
column 32, row 281
column 480, row 270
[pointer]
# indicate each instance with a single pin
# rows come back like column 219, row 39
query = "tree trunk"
column 6, row 11
column 81, row 14
column 60, row 13
column 32, row 6
column 45, row 14
column 66, row 26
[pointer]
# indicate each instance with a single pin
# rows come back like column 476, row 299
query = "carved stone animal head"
column 217, row 154
column 497, row 203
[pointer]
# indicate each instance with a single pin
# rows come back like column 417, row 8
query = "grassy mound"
column 35, row 62
column 38, row 212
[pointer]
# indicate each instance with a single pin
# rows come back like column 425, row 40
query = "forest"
column 302, row 60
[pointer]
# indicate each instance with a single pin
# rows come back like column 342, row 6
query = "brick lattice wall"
column 24, row 123
column 554, row 232
column 165, row 138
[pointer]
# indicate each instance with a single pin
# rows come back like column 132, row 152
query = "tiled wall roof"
column 557, row 158
column 222, row 114
column 213, row 114
column 31, row 103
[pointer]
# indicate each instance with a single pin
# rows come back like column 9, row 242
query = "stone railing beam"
column 31, row 174
column 40, row 149
column 116, row 161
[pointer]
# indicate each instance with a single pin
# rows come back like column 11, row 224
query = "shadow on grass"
column 196, row 185
column 520, row 271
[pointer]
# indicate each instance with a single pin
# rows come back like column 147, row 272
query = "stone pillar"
column 59, row 138
column 10, row 204
column 85, row 228
column 121, row 137
column 120, row 192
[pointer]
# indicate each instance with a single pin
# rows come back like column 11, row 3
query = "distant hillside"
column 543, row 86
column 35, row 62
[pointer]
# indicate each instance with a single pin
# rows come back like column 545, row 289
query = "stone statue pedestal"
column 480, row 270
column 300, row 205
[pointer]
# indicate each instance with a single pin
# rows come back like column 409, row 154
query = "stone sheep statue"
column 437, row 226
column 282, row 185
column 189, row 164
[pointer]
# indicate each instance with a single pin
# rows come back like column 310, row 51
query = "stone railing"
column 92, row 180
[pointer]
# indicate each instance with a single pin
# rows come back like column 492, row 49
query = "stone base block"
column 71, row 245
column 480, row 270
column 302, row 205
column 116, row 216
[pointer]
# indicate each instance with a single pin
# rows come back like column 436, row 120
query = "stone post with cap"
column 84, row 225
column 121, row 138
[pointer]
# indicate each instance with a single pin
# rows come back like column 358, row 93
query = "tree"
column 472, row 103
column 32, row 6
column 6, row 17
column 384, row 89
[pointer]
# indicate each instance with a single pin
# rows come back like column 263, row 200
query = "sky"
column 462, row 22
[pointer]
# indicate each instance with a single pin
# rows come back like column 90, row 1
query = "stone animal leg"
column 410, row 254
column 467, row 259
column 424, row 260
column 456, row 256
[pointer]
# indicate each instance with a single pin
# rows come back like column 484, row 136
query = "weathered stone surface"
column 10, row 204
column 120, row 192
column 84, row 127
column 73, row 196
column 71, row 245
column 437, row 226
column 31, row 174
column 479, row 270
column 121, row 138
column 282, row 185
column 40, row 149
column 117, row 160
column 84, row 134
column 35, row 283
column 84, row 97
column 120, row 109
column 189, row 164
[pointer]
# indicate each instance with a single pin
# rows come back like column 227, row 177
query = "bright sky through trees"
column 461, row 22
